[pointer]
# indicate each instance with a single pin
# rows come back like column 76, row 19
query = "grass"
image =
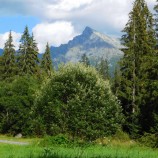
column 102, row 152
column 16, row 151
column 12, row 151
column 31, row 140
column 114, row 149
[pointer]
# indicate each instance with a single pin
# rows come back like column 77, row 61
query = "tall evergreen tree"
column 33, row 49
column 139, row 42
column 156, row 22
column 85, row 60
column 28, row 54
column 23, row 58
column 46, row 62
column 1, row 68
column 150, row 84
column 116, row 81
column 103, row 68
column 8, row 60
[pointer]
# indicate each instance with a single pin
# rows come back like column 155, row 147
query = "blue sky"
column 58, row 21
column 17, row 23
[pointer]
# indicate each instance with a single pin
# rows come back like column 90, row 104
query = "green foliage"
column 96, row 153
column 138, row 69
column 28, row 54
column 78, row 101
column 120, row 135
column 156, row 23
column 128, row 149
column 59, row 139
column 64, row 141
column 116, row 80
column 46, row 63
column 37, row 127
column 8, row 59
column 103, row 68
column 1, row 68
column 149, row 140
column 16, row 101
column 85, row 60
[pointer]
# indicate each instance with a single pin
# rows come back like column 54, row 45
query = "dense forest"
column 82, row 100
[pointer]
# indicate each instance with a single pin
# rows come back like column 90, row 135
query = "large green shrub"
column 149, row 140
column 56, row 140
column 78, row 101
column 16, row 102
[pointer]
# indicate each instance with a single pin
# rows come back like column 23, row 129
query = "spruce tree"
column 46, row 62
column 33, row 49
column 116, row 81
column 1, row 68
column 156, row 23
column 103, row 68
column 139, row 44
column 85, row 60
column 23, row 58
column 8, row 59
column 28, row 54
column 149, row 109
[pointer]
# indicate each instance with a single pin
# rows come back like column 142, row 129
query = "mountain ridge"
column 82, row 40
column 92, row 43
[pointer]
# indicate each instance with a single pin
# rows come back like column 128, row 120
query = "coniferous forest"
column 82, row 100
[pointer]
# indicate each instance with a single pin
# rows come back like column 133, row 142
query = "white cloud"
column 100, row 14
column 57, row 17
column 109, row 12
column 54, row 33
column 68, row 5
column 4, row 38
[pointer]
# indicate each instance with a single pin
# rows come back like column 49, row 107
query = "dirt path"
column 13, row 142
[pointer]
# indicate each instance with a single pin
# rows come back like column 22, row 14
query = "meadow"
column 114, row 149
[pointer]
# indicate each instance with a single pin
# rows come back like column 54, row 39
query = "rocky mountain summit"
column 92, row 43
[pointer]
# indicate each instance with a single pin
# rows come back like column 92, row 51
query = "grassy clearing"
column 28, row 140
column 14, row 151
column 18, row 151
column 100, row 152
column 114, row 149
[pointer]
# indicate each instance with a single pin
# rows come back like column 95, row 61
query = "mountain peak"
column 91, row 42
column 88, row 31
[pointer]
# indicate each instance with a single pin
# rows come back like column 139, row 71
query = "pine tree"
column 149, row 108
column 85, row 60
column 23, row 58
column 28, row 54
column 116, row 81
column 103, row 68
column 33, row 49
column 46, row 62
column 8, row 60
column 156, row 23
column 1, row 68
column 139, row 42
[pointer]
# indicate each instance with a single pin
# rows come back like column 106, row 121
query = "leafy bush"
column 64, row 141
column 16, row 102
column 59, row 139
column 150, row 140
column 120, row 135
column 78, row 101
